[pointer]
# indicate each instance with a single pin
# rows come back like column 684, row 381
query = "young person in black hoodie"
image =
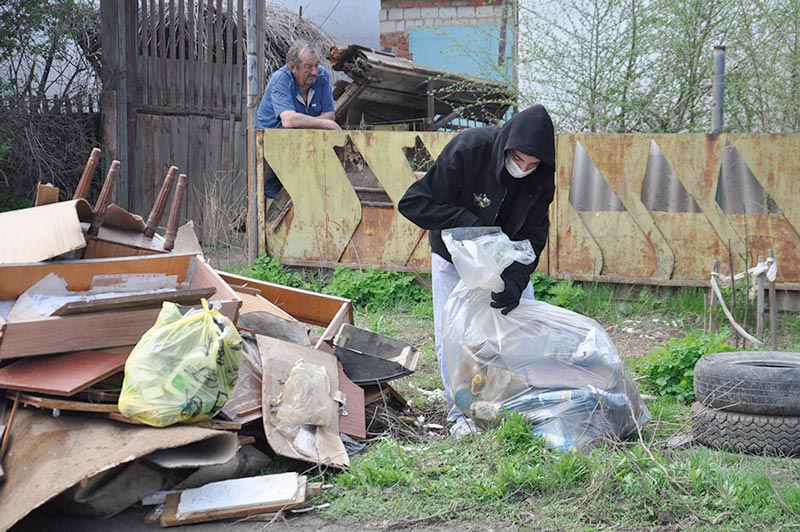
column 488, row 176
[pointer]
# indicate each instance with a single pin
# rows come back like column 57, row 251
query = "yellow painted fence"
column 632, row 208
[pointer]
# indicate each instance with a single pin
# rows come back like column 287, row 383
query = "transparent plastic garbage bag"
column 557, row 368
column 183, row 368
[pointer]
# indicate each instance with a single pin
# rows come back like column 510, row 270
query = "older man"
column 298, row 96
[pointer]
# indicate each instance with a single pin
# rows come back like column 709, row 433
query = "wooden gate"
column 175, row 94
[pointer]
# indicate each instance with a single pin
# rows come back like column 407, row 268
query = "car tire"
column 765, row 383
column 751, row 433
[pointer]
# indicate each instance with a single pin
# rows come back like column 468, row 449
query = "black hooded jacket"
column 468, row 184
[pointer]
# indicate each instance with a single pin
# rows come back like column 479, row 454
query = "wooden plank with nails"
column 161, row 203
column 175, row 213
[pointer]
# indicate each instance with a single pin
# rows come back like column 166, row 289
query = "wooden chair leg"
column 161, row 203
column 82, row 191
column 104, row 199
column 175, row 214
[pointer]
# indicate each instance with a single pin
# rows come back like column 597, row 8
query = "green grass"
column 669, row 370
column 510, row 479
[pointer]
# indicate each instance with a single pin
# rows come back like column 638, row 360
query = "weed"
column 564, row 294
column 670, row 370
column 271, row 269
column 380, row 288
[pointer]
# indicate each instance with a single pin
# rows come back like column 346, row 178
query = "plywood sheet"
column 257, row 302
column 62, row 375
column 99, row 330
column 41, row 233
column 227, row 499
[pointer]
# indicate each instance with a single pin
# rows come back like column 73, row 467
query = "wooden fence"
column 182, row 103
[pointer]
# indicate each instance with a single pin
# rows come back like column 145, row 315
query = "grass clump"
column 379, row 288
column 669, row 370
column 509, row 478
column 272, row 270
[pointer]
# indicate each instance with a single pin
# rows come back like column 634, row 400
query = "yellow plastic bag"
column 183, row 369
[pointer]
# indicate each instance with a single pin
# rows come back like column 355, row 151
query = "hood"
column 530, row 132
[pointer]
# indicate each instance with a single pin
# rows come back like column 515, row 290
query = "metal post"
column 718, row 89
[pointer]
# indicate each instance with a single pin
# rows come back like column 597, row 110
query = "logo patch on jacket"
column 481, row 200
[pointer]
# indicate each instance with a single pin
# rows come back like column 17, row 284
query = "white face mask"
column 515, row 170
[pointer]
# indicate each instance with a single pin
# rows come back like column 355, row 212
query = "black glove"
column 516, row 278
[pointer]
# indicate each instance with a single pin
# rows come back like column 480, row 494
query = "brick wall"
column 398, row 16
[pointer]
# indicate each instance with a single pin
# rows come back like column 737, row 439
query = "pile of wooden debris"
column 81, row 284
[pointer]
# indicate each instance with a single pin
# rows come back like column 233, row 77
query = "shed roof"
column 386, row 89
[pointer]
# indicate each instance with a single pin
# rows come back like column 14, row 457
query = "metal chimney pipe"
column 717, row 89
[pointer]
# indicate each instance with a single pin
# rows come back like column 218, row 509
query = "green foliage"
column 670, row 370
column 564, row 294
column 385, row 465
column 515, row 436
column 376, row 287
column 506, row 473
column 11, row 203
column 272, row 270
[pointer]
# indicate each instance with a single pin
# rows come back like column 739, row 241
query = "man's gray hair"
column 297, row 49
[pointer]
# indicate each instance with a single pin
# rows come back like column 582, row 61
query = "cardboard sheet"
column 279, row 358
column 49, row 455
column 40, row 233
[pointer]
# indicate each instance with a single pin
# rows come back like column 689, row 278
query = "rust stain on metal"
column 654, row 240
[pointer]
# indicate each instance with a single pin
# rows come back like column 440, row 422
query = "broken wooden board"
column 266, row 324
column 49, row 455
column 234, row 498
column 369, row 357
column 253, row 302
column 98, row 330
column 216, row 424
column 354, row 423
column 182, row 296
column 383, row 392
column 41, row 233
column 113, row 242
column 120, row 218
column 309, row 307
column 62, row 375
column 46, row 193
column 278, row 359
column 51, row 403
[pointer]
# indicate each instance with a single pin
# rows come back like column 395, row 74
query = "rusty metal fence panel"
column 632, row 208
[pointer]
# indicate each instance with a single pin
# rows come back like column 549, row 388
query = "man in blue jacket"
column 488, row 176
column 298, row 96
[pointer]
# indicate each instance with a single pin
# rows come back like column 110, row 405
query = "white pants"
column 444, row 278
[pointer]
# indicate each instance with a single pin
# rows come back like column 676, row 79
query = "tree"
column 38, row 52
column 647, row 65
